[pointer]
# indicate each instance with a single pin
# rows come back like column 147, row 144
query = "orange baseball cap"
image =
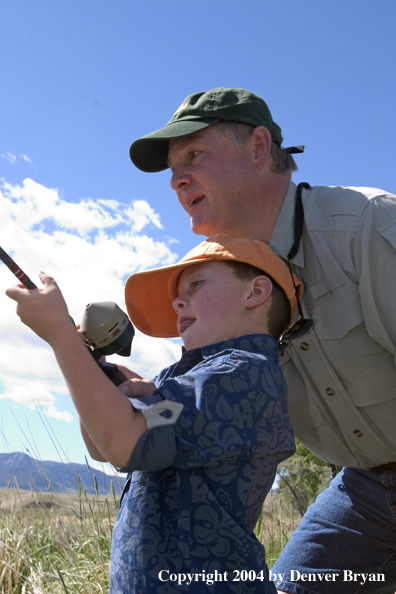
column 149, row 294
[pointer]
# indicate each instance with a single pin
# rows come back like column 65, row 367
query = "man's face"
column 213, row 179
column 210, row 304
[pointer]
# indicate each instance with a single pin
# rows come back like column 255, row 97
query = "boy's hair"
column 280, row 311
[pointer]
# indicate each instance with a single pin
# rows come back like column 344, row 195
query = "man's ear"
column 260, row 291
column 261, row 142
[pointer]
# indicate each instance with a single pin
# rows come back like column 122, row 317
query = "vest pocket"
column 335, row 307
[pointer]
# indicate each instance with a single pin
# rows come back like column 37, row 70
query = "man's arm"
column 106, row 413
column 375, row 257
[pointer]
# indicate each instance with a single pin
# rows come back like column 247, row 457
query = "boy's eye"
column 195, row 284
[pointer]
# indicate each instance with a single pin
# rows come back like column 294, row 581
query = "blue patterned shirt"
column 196, row 486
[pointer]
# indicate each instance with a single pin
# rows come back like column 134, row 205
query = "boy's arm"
column 89, row 444
column 106, row 413
column 132, row 388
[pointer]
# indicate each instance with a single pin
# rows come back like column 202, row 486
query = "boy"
column 203, row 443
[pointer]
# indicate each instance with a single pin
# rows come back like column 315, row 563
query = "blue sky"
column 82, row 79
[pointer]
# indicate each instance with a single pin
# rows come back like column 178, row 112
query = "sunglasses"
column 301, row 327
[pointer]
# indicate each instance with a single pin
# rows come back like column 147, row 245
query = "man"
column 231, row 176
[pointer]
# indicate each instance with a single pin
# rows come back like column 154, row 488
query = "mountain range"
column 18, row 470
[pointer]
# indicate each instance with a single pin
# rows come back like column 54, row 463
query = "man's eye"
column 195, row 284
column 193, row 154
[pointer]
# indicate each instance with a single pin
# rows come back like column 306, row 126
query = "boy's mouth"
column 184, row 322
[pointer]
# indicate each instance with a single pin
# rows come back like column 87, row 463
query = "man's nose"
column 180, row 178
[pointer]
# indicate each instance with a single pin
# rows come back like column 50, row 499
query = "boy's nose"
column 178, row 303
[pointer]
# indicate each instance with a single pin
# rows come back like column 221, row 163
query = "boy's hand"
column 43, row 310
column 128, row 373
column 137, row 387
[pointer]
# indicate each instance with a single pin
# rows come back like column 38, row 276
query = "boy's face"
column 210, row 304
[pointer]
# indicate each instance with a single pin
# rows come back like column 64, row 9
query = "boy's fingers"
column 18, row 291
column 128, row 373
column 47, row 280
column 15, row 292
column 137, row 387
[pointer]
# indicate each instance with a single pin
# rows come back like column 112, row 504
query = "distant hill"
column 18, row 470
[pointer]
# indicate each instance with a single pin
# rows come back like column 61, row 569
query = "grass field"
column 55, row 543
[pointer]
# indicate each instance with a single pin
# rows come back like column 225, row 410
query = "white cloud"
column 26, row 158
column 89, row 247
column 13, row 158
column 61, row 416
column 9, row 157
column 142, row 214
column 145, row 351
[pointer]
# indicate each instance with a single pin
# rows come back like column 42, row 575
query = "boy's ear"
column 260, row 291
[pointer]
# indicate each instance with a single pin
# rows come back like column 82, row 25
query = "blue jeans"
column 349, row 530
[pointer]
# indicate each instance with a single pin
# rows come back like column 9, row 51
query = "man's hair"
column 279, row 313
column 239, row 132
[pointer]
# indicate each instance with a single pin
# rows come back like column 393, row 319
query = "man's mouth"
column 195, row 200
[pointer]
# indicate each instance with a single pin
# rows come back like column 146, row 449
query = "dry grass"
column 276, row 523
column 55, row 543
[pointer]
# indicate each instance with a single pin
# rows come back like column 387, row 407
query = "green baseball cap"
column 198, row 111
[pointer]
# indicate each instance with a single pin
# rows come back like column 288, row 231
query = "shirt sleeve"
column 226, row 418
column 375, row 257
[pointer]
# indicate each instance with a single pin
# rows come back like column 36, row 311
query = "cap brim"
column 150, row 153
column 149, row 295
column 148, row 299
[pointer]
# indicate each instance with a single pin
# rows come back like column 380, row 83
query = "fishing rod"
column 13, row 266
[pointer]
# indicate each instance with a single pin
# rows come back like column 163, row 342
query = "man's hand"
column 43, row 310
